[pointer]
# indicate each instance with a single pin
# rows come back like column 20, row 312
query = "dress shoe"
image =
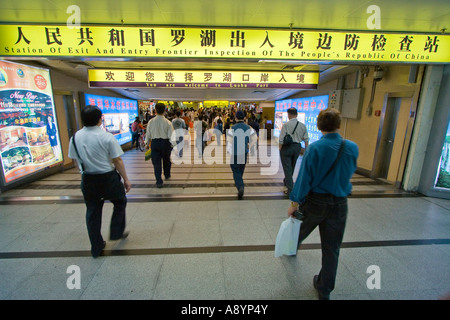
column 321, row 296
column 124, row 236
column 240, row 193
column 101, row 251
column 159, row 185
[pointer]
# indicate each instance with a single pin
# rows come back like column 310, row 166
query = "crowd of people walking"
column 320, row 191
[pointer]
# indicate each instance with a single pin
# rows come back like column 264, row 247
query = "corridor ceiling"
column 432, row 16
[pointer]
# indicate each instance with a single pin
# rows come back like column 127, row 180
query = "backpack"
column 178, row 123
column 134, row 126
column 287, row 141
column 219, row 127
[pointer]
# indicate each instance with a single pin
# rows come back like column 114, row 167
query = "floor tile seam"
column 91, row 278
column 420, row 277
column 25, row 279
column 434, row 203
column 350, row 273
column 218, row 249
column 27, row 231
column 168, row 197
column 219, row 221
column 158, row 277
column 172, row 183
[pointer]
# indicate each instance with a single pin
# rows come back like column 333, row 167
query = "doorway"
column 394, row 134
column 71, row 116
column 387, row 138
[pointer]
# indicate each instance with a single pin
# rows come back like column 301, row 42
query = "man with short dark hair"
column 157, row 137
column 320, row 193
column 241, row 137
column 289, row 153
column 98, row 156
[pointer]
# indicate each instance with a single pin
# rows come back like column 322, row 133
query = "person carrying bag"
column 320, row 194
column 290, row 146
column 97, row 153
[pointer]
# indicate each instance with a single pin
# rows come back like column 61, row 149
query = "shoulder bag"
column 287, row 141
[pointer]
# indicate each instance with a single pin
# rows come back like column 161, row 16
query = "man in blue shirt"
column 321, row 194
column 241, row 137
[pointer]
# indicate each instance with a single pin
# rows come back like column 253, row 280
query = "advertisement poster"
column 29, row 138
column 443, row 174
column 118, row 114
column 308, row 109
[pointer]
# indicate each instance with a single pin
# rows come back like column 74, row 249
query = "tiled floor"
column 194, row 240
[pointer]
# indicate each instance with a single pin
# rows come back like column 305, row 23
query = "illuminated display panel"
column 118, row 113
column 115, row 78
column 308, row 110
column 29, row 137
column 443, row 173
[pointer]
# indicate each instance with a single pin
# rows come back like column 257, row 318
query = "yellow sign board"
column 231, row 43
column 119, row 78
column 220, row 104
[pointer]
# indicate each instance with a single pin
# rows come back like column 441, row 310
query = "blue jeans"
column 135, row 138
column 330, row 214
column 238, row 167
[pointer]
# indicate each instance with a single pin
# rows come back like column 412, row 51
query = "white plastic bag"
column 287, row 238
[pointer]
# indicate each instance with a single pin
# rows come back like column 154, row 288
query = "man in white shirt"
column 290, row 153
column 98, row 156
column 157, row 137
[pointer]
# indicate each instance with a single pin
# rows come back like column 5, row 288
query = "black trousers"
column 330, row 214
column 96, row 189
column 161, row 149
